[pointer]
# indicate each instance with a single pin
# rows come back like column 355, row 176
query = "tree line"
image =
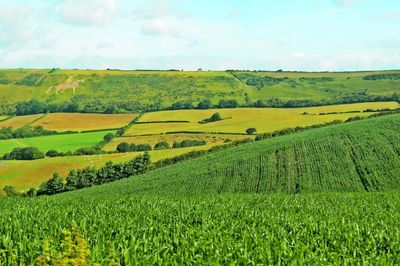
column 90, row 176
column 37, row 107
column 24, row 132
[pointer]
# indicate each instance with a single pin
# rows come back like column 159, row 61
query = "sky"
column 295, row 35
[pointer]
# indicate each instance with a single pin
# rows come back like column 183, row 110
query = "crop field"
column 83, row 122
column 367, row 152
column 221, row 213
column 19, row 121
column 172, row 138
column 61, row 143
column 128, row 229
column 239, row 119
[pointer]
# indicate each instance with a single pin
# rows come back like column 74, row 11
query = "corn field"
column 296, row 199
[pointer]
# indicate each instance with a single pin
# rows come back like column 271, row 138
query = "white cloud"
column 158, row 27
column 299, row 55
column 160, row 9
column 88, row 12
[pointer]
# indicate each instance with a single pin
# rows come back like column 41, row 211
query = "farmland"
column 19, row 121
column 83, row 122
column 149, row 129
column 62, row 142
column 224, row 213
column 238, row 120
column 26, row 174
column 327, row 195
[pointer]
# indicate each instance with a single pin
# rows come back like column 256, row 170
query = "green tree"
column 251, row 131
column 204, row 104
column 123, row 147
column 107, row 138
column 53, row 186
column 161, row 145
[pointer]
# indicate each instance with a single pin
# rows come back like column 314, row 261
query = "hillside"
column 132, row 91
column 206, row 210
column 358, row 156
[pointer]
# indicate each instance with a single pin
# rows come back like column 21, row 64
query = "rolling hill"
column 223, row 212
column 98, row 91
column 357, row 156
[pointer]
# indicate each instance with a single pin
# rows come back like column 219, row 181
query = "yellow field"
column 19, row 121
column 239, row 119
column 171, row 138
column 80, row 122
column 3, row 117
column 26, row 174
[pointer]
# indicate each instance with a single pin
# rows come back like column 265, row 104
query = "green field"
column 61, row 143
column 140, row 90
column 216, row 209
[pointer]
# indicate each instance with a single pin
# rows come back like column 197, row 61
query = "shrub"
column 52, row 153
column 123, row 147
column 214, row 118
column 161, row 145
column 143, row 147
column 189, row 143
column 27, row 153
column 251, row 131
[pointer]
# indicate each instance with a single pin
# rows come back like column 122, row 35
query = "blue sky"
column 332, row 35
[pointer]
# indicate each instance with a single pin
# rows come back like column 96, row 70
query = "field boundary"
column 35, row 120
column 7, row 118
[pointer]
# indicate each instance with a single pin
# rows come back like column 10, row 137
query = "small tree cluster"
column 90, row 176
column 26, row 153
column 189, row 143
column 126, row 147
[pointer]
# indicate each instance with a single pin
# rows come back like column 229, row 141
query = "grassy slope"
column 239, row 119
column 357, row 156
column 61, row 143
column 155, row 218
column 151, row 86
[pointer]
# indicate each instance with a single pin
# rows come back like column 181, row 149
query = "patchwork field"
column 19, row 121
column 239, row 119
column 171, row 138
column 26, row 174
column 221, row 208
column 83, row 122
column 61, row 143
